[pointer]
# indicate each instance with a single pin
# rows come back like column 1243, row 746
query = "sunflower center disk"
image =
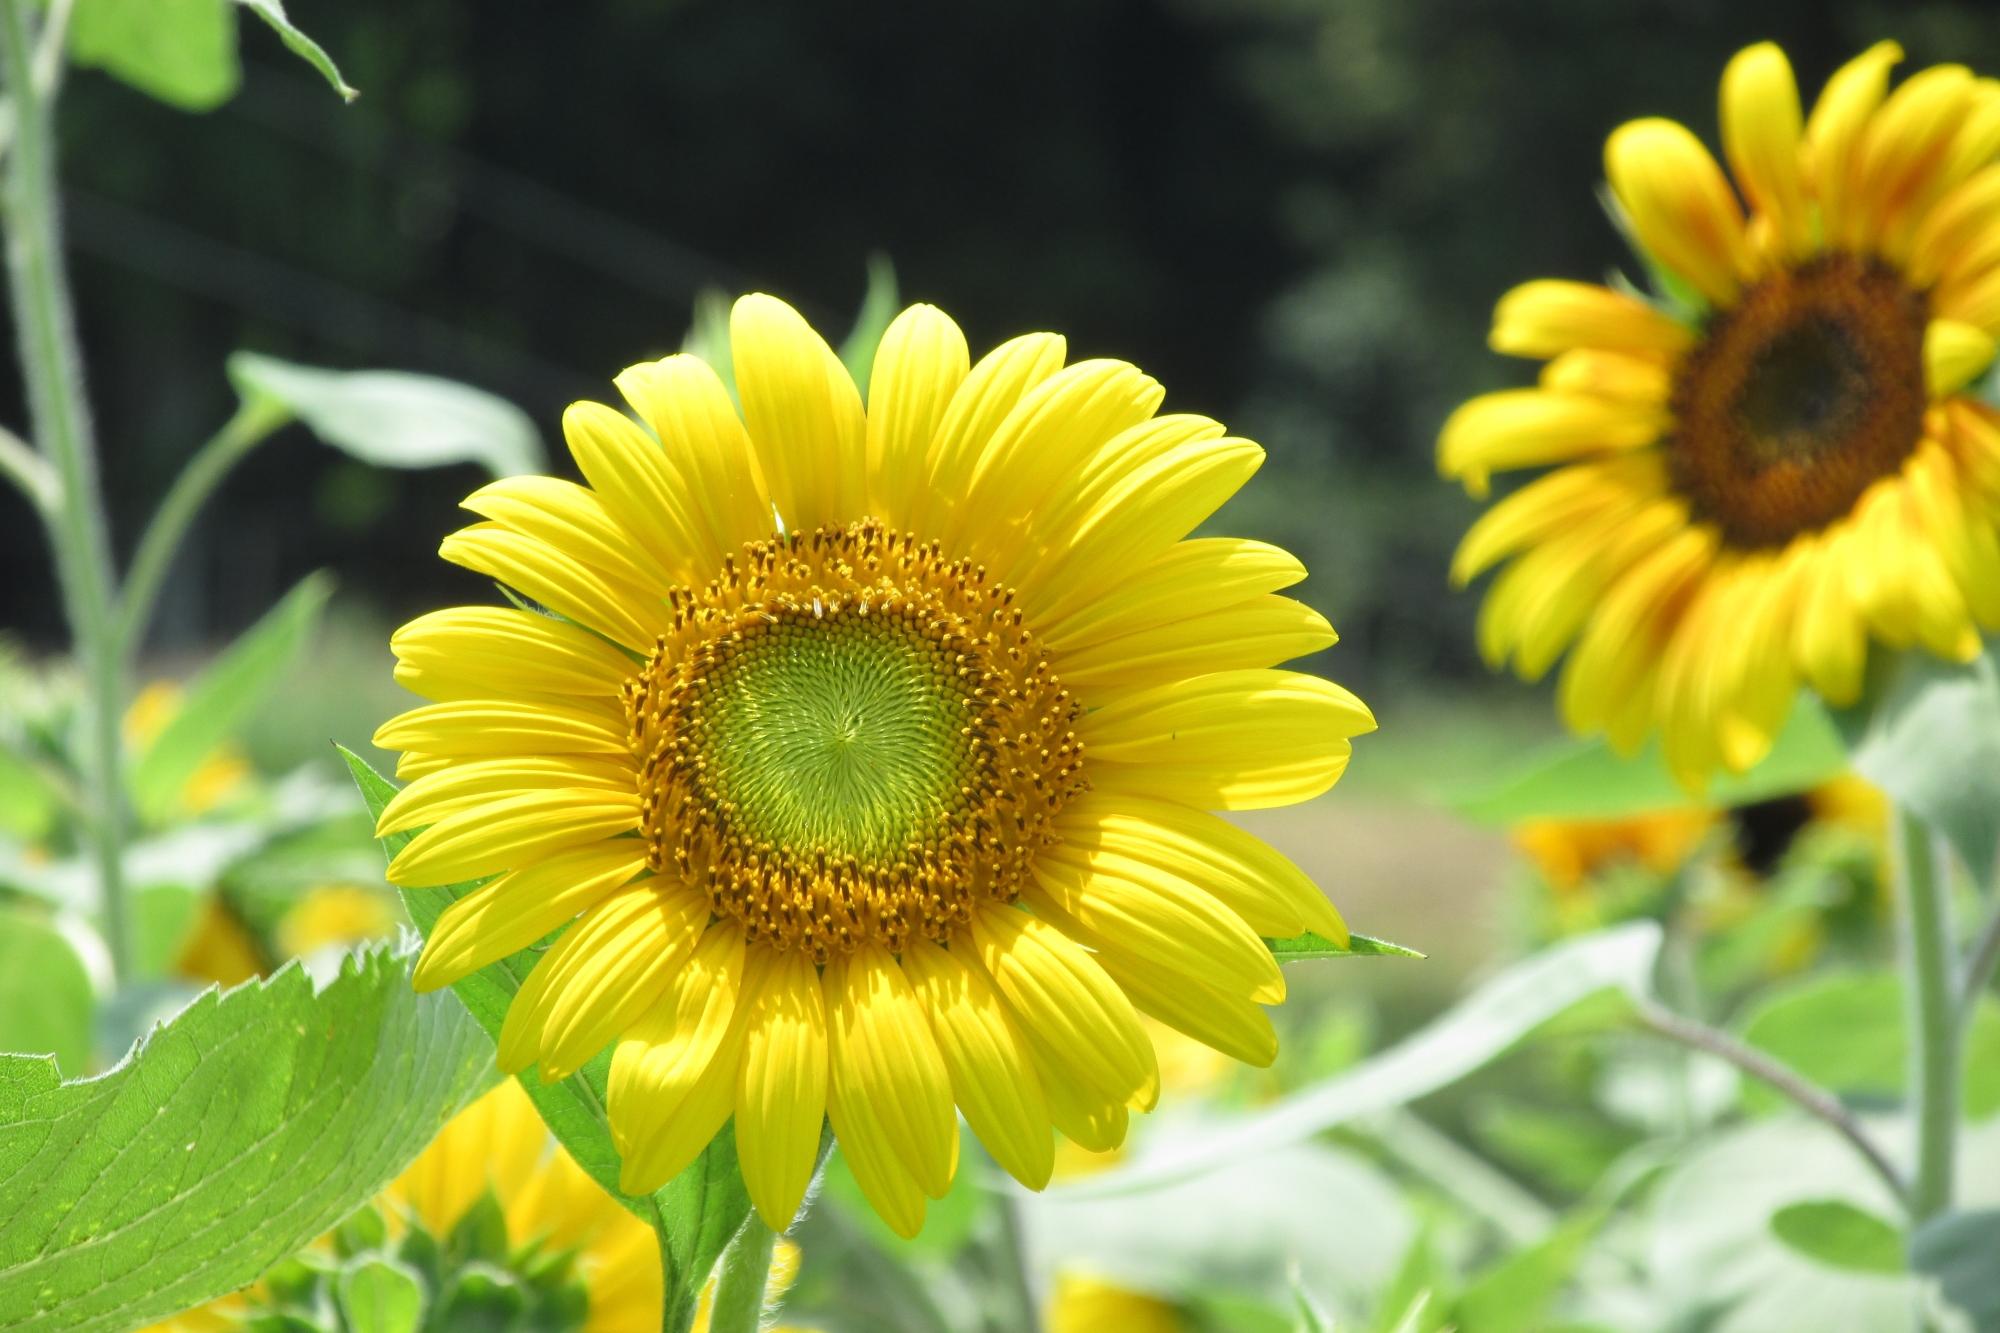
column 1799, row 398
column 846, row 737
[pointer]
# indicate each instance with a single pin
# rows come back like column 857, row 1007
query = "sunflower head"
column 865, row 758
column 1774, row 464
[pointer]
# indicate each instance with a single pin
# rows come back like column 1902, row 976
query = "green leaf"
column 182, row 52
column 1568, row 978
column 697, row 1212
column 1845, row 1032
column 1928, row 734
column 390, row 418
column 231, row 1137
column 1958, row 1249
column 1516, row 1294
column 302, row 46
column 382, row 1296
column 1588, row 780
column 1304, row 948
column 879, row 304
column 45, row 996
column 163, row 917
column 1838, row 1234
column 226, row 696
column 708, row 336
column 1310, row 1315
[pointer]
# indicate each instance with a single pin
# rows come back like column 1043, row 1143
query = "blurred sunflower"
column 221, row 947
column 1779, row 465
column 872, row 754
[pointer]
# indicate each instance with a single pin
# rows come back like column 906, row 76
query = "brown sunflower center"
column 1798, row 398
column 848, row 737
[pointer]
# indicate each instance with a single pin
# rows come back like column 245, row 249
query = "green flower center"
column 846, row 737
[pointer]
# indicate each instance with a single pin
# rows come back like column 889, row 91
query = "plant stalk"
column 52, row 368
column 739, row 1290
column 1933, row 1026
column 253, row 423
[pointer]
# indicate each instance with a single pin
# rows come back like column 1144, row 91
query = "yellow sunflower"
column 1754, row 481
column 872, row 755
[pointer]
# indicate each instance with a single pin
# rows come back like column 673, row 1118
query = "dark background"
column 1295, row 213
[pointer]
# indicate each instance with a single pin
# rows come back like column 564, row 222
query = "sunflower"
column 1776, row 466
column 868, row 757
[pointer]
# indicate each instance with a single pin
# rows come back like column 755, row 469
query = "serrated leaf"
column 231, row 1137
column 302, row 46
column 1838, row 1234
column 381, row 1296
column 879, row 305
column 1304, row 948
column 391, row 418
column 1958, row 1249
column 1578, row 975
column 182, row 52
column 697, row 1212
column 45, row 995
column 1588, row 780
column 1928, row 734
column 225, row 696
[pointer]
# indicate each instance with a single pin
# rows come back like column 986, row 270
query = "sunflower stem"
column 1933, row 1024
column 739, row 1289
column 52, row 368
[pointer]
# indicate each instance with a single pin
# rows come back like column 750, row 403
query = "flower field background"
column 1698, row 1036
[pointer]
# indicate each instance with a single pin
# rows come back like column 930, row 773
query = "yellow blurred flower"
column 219, row 948
column 219, row 775
column 1569, row 853
column 335, row 914
column 1089, row 1305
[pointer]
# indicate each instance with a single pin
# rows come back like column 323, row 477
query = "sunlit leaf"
column 1304, row 948
column 225, row 697
column 231, row 1137
column 45, row 996
column 697, row 1212
column 392, row 418
column 381, row 1296
column 879, row 305
column 1838, row 1234
column 302, row 46
column 182, row 52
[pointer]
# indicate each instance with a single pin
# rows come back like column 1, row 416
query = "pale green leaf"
column 879, row 304
column 1929, row 736
column 1845, row 1031
column 699, row 1211
column 1608, row 966
column 304, row 47
column 391, row 418
column 708, row 335
column 231, row 1137
column 45, row 996
column 381, row 1296
column 1517, row 1293
column 1304, row 948
column 1588, row 780
column 226, row 696
column 182, row 52
column 1838, row 1234
column 1959, row 1250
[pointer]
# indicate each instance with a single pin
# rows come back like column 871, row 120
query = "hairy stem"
column 1933, row 1023
column 739, row 1290
column 1809, row 1097
column 52, row 368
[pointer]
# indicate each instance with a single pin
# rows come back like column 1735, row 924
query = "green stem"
column 253, row 423
column 1933, row 1027
column 739, row 1291
column 52, row 368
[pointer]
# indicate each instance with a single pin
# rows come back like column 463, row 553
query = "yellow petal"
column 706, row 449
column 1834, row 130
column 886, row 1069
column 804, row 415
column 1639, row 381
column 1067, row 1005
column 1679, row 204
column 603, row 973
column 1274, row 897
column 1080, row 1112
column 920, row 364
column 450, row 790
column 992, row 1071
column 628, row 615
column 868, row 1145
column 1529, row 427
column 781, row 1089
column 634, row 479
column 1234, row 740
column 1550, row 316
column 1553, row 504
column 988, row 393
column 1960, row 238
column 483, row 651
column 510, row 831
column 1258, row 633
column 521, row 907
column 1899, row 161
column 1188, row 578
column 1761, row 131
column 1954, row 355
column 500, row 726
column 571, row 519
